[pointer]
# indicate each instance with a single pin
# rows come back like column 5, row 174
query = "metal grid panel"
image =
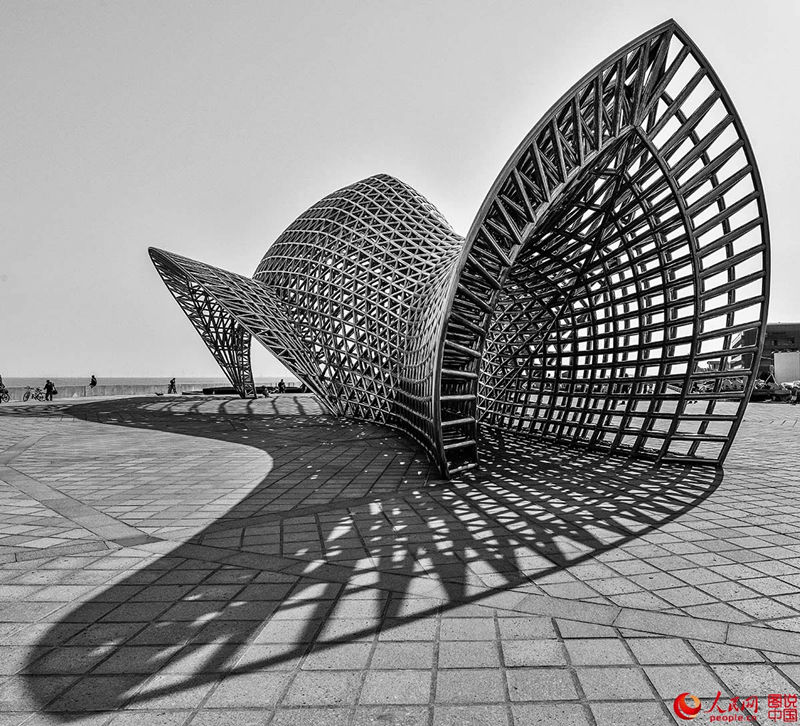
column 228, row 341
column 242, row 308
column 611, row 272
column 363, row 276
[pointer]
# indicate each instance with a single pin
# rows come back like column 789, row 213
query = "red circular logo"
column 683, row 709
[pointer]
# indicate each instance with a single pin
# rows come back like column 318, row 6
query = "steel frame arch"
column 599, row 299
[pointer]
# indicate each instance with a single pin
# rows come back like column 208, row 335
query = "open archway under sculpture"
column 600, row 298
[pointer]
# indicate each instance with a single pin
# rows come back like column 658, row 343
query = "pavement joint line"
column 25, row 554
column 72, row 509
column 61, row 550
column 13, row 451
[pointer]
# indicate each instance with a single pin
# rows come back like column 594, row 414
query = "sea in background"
column 12, row 382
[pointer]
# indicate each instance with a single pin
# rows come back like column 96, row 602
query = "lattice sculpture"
column 600, row 298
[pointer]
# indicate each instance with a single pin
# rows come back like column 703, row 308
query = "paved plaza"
column 211, row 561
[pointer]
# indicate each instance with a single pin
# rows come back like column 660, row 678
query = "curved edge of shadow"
column 199, row 613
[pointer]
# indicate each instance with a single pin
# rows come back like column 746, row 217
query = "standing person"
column 281, row 386
column 49, row 387
column 172, row 388
column 92, row 382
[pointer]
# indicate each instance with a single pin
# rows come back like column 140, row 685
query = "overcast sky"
column 206, row 127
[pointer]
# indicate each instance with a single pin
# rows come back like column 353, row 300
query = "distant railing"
column 64, row 392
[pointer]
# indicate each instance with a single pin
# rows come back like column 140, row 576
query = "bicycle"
column 36, row 393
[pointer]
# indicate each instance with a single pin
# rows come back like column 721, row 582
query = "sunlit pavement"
column 216, row 561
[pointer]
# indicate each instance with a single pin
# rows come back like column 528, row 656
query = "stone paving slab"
column 261, row 562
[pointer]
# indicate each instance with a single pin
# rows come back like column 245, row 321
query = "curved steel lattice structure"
column 600, row 298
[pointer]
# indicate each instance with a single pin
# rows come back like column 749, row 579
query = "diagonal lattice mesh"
column 363, row 275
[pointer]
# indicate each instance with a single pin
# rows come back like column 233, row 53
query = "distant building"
column 780, row 337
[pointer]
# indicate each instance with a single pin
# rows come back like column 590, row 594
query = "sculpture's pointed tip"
column 157, row 252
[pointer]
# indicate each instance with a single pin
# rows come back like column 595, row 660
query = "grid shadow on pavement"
column 308, row 562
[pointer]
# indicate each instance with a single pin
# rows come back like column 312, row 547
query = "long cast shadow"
column 380, row 551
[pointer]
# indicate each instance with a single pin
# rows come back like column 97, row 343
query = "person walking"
column 281, row 386
column 172, row 387
column 49, row 388
column 92, row 382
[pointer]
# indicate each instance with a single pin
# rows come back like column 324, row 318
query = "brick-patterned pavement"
column 216, row 561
